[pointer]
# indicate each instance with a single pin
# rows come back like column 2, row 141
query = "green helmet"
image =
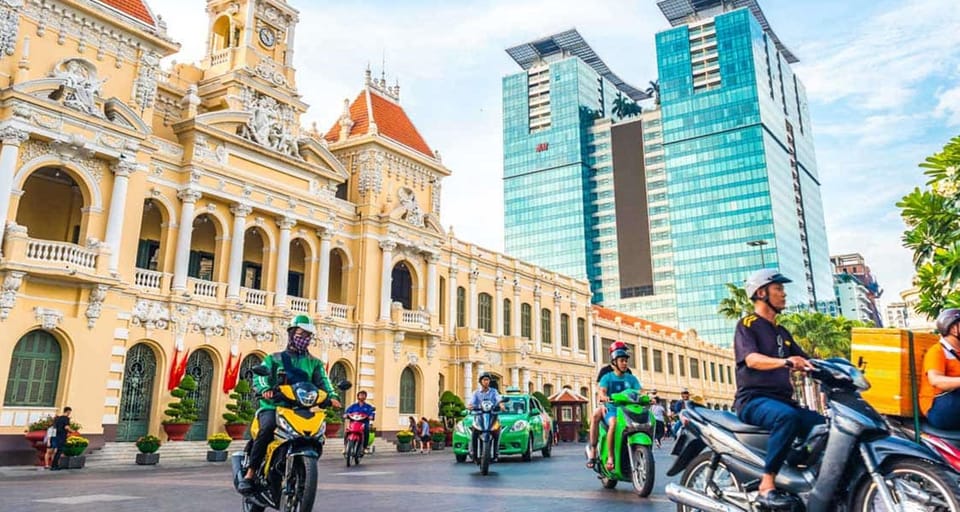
column 303, row 322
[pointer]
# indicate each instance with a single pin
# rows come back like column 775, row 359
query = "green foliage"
column 821, row 335
column 219, row 441
column 404, row 436
column 241, row 411
column 932, row 217
column 148, row 444
column 184, row 410
column 450, row 408
column 544, row 402
column 334, row 415
column 47, row 422
column 584, row 427
column 624, row 107
column 737, row 305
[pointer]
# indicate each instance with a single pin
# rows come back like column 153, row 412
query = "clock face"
column 267, row 37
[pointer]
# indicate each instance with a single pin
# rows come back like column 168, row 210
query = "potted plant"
column 218, row 447
column 241, row 412
column 182, row 413
column 73, row 452
column 438, row 438
column 451, row 407
column 36, row 434
column 404, row 440
column 583, row 429
column 334, row 419
column 148, row 446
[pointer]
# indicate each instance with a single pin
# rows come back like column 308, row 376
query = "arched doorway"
column 203, row 248
column 336, row 287
column 137, row 395
column 254, row 255
column 340, row 372
column 52, row 206
column 34, row 371
column 151, row 232
column 401, row 287
column 408, row 391
column 297, row 271
column 200, row 367
column 246, row 373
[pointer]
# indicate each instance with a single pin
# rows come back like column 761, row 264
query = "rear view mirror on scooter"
column 260, row 370
column 344, row 385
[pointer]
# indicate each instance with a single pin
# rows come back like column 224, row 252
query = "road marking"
column 363, row 473
column 90, row 498
column 472, row 491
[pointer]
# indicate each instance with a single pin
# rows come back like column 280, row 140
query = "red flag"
column 174, row 361
column 177, row 370
column 232, row 374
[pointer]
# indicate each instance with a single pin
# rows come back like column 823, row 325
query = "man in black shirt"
column 766, row 354
column 62, row 425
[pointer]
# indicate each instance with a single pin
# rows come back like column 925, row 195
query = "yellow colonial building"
column 155, row 214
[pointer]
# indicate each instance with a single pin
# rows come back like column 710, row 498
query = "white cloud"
column 948, row 105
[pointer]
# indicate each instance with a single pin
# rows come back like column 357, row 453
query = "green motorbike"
column 633, row 444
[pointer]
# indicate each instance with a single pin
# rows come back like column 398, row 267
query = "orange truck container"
column 884, row 355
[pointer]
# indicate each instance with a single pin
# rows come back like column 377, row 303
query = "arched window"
column 461, row 307
column 565, row 330
column 485, row 312
column 339, row 373
column 546, row 335
column 506, row 317
column 34, row 371
column 548, row 390
column 525, row 324
column 401, row 285
column 408, row 391
column 581, row 335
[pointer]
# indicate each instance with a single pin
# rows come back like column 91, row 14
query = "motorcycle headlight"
column 284, row 429
column 496, row 425
column 306, row 397
column 518, row 426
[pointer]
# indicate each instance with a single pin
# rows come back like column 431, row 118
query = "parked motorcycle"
column 852, row 463
column 287, row 479
column 632, row 446
column 485, row 434
column 355, row 444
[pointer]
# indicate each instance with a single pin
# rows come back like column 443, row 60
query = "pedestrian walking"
column 417, row 445
column 424, row 435
column 62, row 426
column 660, row 414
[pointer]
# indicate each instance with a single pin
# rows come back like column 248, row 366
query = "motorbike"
column 632, row 446
column 287, row 478
column 851, row 463
column 485, row 434
column 944, row 442
column 355, row 444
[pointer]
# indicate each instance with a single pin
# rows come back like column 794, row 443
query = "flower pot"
column 236, row 431
column 437, row 443
column 216, row 455
column 74, row 451
column 148, row 459
column 35, row 438
column 404, row 446
column 333, row 429
column 581, row 437
column 176, row 431
column 73, row 462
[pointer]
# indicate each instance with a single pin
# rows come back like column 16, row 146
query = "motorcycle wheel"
column 348, row 453
column 643, row 472
column 528, row 453
column 357, row 452
column 485, row 459
column 695, row 478
column 251, row 507
column 304, row 482
column 608, row 483
column 916, row 485
column 461, row 457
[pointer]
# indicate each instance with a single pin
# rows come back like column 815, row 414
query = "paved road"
column 422, row 483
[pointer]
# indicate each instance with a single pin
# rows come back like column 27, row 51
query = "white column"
column 526, row 380
column 515, row 378
column 559, row 385
column 539, row 382
column 452, row 298
column 283, row 260
column 240, row 212
column 386, row 278
column 432, row 260
column 248, row 30
column 118, row 201
column 498, row 307
column 535, row 318
column 11, row 138
column 472, row 297
column 591, row 355
column 288, row 61
column 557, row 336
column 323, row 284
column 516, row 327
column 189, row 197
column 467, row 380
column 480, row 369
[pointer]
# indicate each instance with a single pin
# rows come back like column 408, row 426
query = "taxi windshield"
column 515, row 405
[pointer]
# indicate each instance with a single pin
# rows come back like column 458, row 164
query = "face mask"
column 299, row 342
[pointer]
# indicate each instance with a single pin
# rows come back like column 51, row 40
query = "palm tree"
column 619, row 104
column 737, row 304
column 821, row 335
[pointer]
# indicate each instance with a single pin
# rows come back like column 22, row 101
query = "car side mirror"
column 261, row 370
column 344, row 385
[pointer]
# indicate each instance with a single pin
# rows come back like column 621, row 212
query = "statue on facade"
column 80, row 85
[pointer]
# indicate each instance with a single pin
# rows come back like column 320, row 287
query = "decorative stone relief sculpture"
column 49, row 318
column 412, row 359
column 180, row 316
column 371, row 172
column 95, row 306
column 409, row 210
column 8, row 296
column 207, row 321
column 80, row 85
column 432, row 342
column 267, row 69
column 270, row 125
column 9, row 25
column 145, row 86
column 398, row 337
column 258, row 328
column 338, row 337
column 150, row 314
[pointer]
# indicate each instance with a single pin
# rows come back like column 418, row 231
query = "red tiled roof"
column 611, row 315
column 391, row 120
column 136, row 9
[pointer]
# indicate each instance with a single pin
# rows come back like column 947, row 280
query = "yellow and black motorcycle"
column 287, row 479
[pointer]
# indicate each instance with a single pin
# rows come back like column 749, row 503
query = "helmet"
column 484, row 374
column 621, row 352
column 617, row 345
column 946, row 319
column 303, row 322
column 762, row 278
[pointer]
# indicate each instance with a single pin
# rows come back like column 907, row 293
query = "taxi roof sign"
column 513, row 389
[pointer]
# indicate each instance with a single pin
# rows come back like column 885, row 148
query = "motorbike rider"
column 940, row 382
column 600, row 411
column 361, row 406
column 297, row 365
column 479, row 396
column 677, row 407
column 615, row 382
column 765, row 354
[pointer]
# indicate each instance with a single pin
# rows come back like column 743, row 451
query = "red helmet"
column 618, row 345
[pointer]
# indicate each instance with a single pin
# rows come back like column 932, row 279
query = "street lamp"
column 760, row 244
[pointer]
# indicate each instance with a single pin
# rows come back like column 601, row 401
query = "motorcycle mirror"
column 463, row 413
column 344, row 385
column 260, row 370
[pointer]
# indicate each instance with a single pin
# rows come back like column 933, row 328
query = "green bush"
column 184, row 410
column 451, row 406
column 148, row 444
column 334, row 415
column 241, row 411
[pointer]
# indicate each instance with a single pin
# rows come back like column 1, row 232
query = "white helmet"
column 762, row 278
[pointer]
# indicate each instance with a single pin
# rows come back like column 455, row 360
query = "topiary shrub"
column 184, row 410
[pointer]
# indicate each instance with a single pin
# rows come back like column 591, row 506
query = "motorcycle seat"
column 729, row 421
column 950, row 435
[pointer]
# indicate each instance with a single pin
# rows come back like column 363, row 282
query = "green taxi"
column 524, row 427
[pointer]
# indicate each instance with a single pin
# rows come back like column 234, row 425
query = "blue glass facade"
column 740, row 167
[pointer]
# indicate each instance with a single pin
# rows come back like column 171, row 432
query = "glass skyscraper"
column 742, row 184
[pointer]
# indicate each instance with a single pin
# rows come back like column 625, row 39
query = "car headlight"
column 460, row 428
column 306, row 397
column 518, row 426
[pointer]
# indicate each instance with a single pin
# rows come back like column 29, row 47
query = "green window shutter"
column 34, row 371
column 408, row 392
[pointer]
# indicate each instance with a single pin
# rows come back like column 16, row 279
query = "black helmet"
column 484, row 374
column 946, row 319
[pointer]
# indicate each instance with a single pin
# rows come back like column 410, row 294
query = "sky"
column 882, row 79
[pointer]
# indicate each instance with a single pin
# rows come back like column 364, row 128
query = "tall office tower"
column 742, row 184
column 856, row 288
column 558, row 171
